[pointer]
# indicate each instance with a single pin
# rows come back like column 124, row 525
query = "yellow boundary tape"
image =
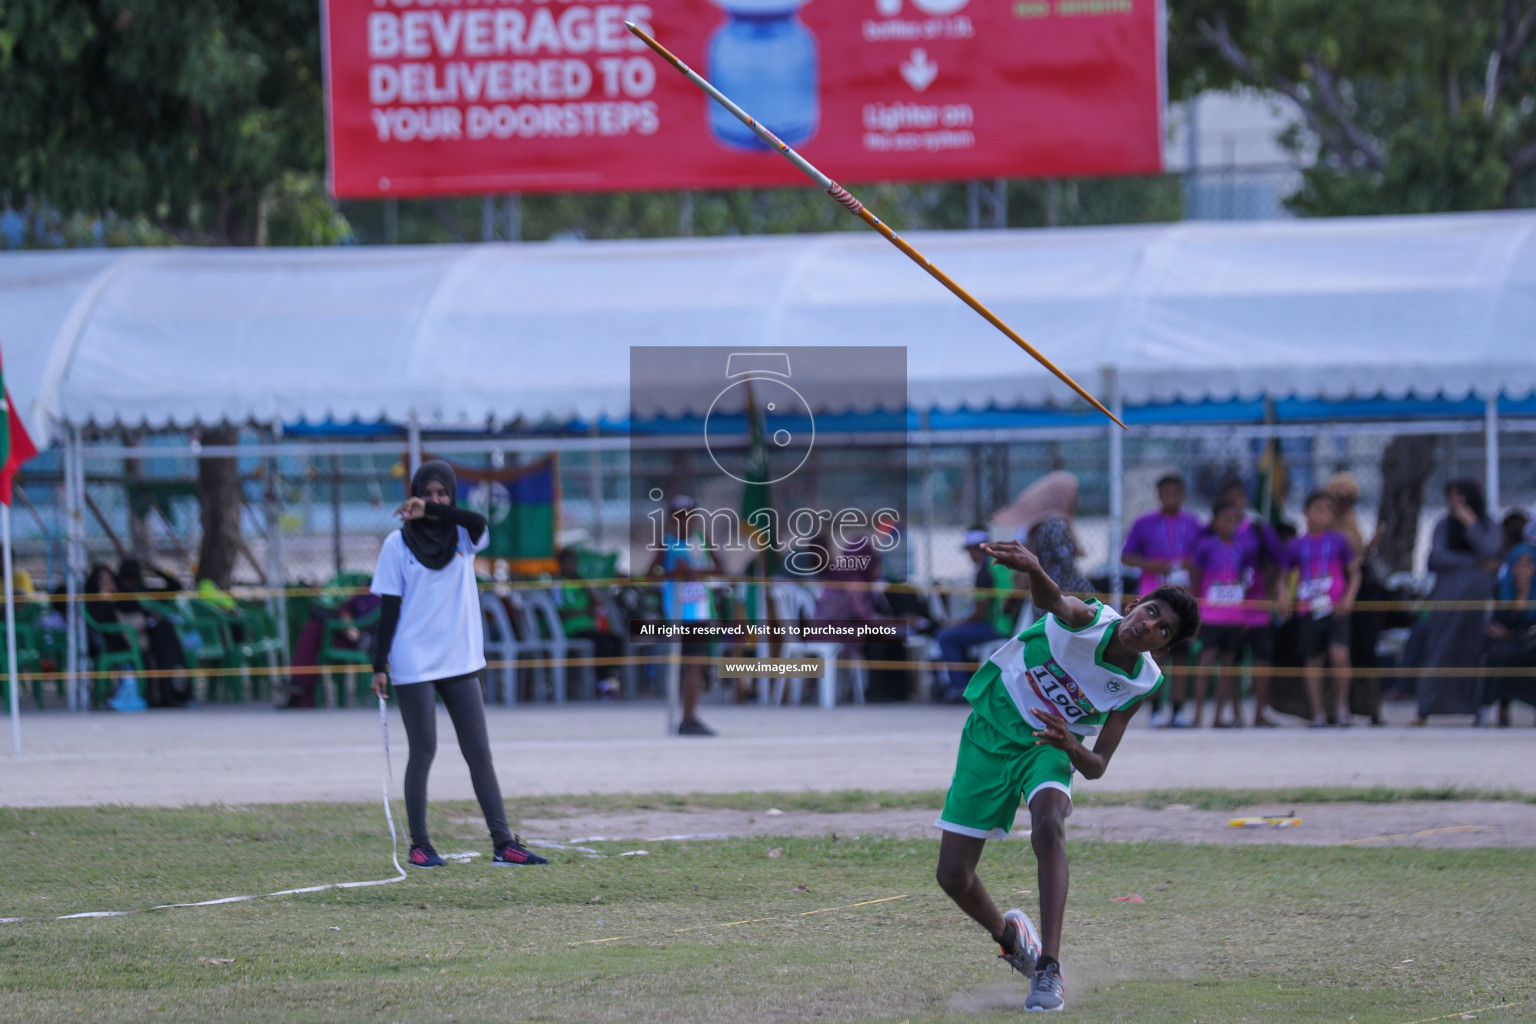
column 1410, row 835
column 750, row 920
column 246, row 593
column 1463, row 1013
column 1273, row 672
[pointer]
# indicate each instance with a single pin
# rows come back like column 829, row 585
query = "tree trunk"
column 1405, row 466
column 142, row 534
column 218, row 492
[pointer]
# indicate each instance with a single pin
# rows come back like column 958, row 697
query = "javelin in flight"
column 842, row 195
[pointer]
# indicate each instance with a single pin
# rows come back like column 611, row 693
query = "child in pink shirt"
column 1322, row 583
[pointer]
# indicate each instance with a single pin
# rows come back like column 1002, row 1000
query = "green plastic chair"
column 107, row 660
column 29, row 658
column 204, row 633
column 258, row 639
column 332, row 633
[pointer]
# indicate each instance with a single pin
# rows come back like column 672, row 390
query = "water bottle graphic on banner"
column 765, row 59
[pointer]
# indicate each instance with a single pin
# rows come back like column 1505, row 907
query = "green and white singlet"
column 1054, row 666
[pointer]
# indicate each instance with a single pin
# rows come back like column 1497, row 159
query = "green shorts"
column 991, row 773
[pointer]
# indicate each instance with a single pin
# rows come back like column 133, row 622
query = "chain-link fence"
column 315, row 512
column 310, row 515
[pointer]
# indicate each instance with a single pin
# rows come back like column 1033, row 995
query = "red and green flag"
column 15, row 446
column 522, row 504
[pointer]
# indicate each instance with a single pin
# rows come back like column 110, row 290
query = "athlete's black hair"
column 1316, row 496
column 1171, row 480
column 1183, row 604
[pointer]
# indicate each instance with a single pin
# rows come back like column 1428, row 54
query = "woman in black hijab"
column 170, row 686
column 1463, row 557
column 431, row 643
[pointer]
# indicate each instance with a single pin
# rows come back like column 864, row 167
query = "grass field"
column 1263, row 934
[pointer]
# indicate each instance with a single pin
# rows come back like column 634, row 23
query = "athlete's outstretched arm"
column 1091, row 763
column 1043, row 590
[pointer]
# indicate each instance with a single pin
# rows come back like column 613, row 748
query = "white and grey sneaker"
column 1045, row 989
column 1026, row 943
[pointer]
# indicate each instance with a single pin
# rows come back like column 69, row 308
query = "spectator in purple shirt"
column 1267, row 556
column 1222, row 568
column 1324, row 579
column 1160, row 544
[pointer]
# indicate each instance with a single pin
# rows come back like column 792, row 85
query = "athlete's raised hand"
column 412, row 508
column 1055, row 734
column 1013, row 555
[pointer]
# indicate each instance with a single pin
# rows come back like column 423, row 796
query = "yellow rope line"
column 263, row 671
column 1463, row 1013
column 1410, row 835
column 750, row 920
column 645, row 582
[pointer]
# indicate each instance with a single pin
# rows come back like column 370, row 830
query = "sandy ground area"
column 1442, row 824
column 250, row 755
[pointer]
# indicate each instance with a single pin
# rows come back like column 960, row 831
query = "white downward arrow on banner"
column 919, row 71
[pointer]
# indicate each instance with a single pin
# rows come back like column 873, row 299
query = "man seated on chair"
column 957, row 641
column 305, row 671
column 585, row 617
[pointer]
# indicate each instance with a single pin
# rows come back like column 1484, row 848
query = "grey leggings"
column 466, row 707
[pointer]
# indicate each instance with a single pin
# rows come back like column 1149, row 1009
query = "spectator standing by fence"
column 686, row 556
column 1221, row 569
column 1041, row 518
column 1364, row 624
column 1160, row 544
column 1463, row 556
column 1324, row 581
column 1266, row 553
column 1511, row 636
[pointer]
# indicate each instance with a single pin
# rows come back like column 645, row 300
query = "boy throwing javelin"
column 1081, row 670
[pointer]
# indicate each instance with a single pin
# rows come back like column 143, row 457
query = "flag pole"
column 858, row 209
column 10, row 631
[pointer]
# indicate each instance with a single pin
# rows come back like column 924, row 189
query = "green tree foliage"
column 146, row 121
column 1412, row 106
column 906, row 207
column 204, row 116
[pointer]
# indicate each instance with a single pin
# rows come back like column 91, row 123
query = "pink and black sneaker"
column 424, row 856
column 514, row 852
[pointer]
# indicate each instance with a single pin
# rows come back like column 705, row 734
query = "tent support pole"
column 929, row 576
column 1116, row 486
column 413, row 449
column 277, row 604
column 73, row 566
column 336, row 553
column 14, row 689
column 1491, row 450
column 595, row 484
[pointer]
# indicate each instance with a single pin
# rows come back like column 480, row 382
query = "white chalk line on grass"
column 394, row 856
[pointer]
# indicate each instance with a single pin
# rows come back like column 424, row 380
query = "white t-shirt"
column 441, row 634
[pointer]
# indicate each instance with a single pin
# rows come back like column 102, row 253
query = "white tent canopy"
column 1395, row 306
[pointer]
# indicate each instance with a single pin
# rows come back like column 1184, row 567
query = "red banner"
column 454, row 97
